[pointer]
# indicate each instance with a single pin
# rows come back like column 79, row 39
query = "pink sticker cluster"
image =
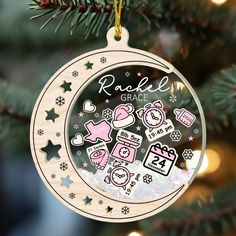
column 115, row 163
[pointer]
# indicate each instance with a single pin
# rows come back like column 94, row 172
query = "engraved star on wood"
column 51, row 115
column 66, row 86
column 51, row 150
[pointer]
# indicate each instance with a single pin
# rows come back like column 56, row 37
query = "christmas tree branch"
column 47, row 4
column 199, row 17
column 198, row 219
column 15, row 103
column 12, row 114
column 218, row 97
column 216, row 214
column 95, row 15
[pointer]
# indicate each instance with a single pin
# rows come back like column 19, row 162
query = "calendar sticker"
column 160, row 158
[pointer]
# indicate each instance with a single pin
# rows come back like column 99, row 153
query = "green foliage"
column 195, row 17
column 225, row 90
column 200, row 17
column 15, row 109
column 213, row 216
column 218, row 97
column 92, row 15
column 15, row 102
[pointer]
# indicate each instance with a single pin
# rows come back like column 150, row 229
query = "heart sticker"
column 89, row 106
column 78, row 140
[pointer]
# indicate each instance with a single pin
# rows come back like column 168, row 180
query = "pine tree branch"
column 93, row 15
column 15, row 103
column 213, row 216
column 198, row 218
column 197, row 17
column 47, row 4
column 12, row 114
column 219, row 94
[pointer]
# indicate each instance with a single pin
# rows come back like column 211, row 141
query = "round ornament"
column 116, row 133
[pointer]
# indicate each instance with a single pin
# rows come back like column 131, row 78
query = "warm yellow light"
column 134, row 234
column 214, row 160
column 219, row 2
column 204, row 165
column 177, row 86
column 210, row 161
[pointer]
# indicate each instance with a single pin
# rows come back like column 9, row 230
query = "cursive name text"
column 107, row 81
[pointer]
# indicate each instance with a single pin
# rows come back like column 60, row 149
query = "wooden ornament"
column 114, row 136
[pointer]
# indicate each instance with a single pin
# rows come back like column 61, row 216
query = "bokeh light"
column 213, row 159
column 210, row 163
column 177, row 85
column 219, row 2
column 135, row 234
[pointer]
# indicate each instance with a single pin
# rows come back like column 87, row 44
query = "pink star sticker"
column 190, row 138
column 81, row 114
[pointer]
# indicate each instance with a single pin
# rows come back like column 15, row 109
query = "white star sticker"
column 107, row 101
column 190, row 138
column 85, row 164
column 139, row 74
column 138, row 128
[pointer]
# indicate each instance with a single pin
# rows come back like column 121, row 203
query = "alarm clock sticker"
column 152, row 115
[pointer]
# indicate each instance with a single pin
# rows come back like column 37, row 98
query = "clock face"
column 153, row 118
column 124, row 152
column 120, row 176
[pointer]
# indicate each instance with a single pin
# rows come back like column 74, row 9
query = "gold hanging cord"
column 118, row 28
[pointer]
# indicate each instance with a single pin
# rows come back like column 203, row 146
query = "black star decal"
column 87, row 200
column 109, row 209
column 66, row 86
column 51, row 150
column 89, row 65
column 51, row 115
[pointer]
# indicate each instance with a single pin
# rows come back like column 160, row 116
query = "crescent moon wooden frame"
column 117, row 54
